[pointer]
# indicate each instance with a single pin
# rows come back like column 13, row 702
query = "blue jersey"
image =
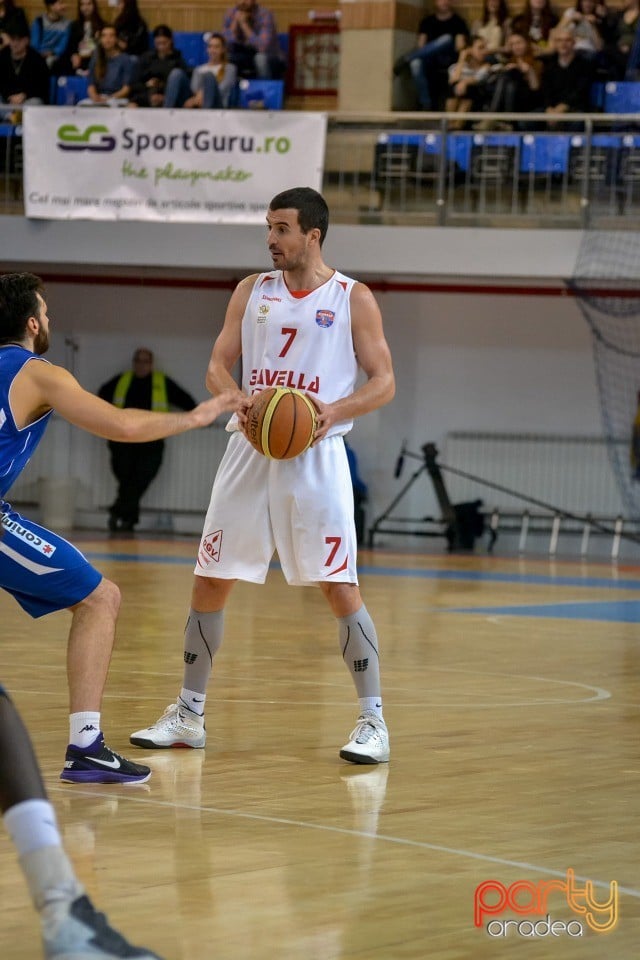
column 16, row 445
column 44, row 572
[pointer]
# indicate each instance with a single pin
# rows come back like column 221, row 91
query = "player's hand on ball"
column 325, row 417
column 244, row 405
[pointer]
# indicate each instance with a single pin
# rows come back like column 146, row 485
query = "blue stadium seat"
column 261, row 94
column 192, row 45
column 544, row 153
column 404, row 158
column 69, row 90
column 622, row 97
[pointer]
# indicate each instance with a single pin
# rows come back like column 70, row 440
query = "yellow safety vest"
column 159, row 399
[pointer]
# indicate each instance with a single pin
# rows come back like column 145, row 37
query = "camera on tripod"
column 461, row 523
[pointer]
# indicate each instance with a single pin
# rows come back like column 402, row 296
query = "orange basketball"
column 281, row 423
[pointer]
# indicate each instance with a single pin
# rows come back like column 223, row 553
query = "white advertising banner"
column 188, row 166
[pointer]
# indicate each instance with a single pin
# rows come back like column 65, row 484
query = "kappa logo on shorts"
column 210, row 548
column 34, row 541
column 325, row 318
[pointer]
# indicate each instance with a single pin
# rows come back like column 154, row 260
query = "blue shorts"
column 41, row 570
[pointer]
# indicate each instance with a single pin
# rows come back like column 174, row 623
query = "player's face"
column 288, row 245
column 41, row 341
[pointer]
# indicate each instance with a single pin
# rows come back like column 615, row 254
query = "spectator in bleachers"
column 214, row 83
column 441, row 36
column 566, row 77
column 8, row 13
column 587, row 22
column 469, row 80
column 250, row 32
column 132, row 29
column 110, row 71
column 24, row 75
column 157, row 70
column 517, row 89
column 625, row 29
column 493, row 25
column 50, row 34
column 536, row 22
column 83, row 37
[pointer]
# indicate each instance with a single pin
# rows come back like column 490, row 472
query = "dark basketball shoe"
column 99, row 764
column 78, row 932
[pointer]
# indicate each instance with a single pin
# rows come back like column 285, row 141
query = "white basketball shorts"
column 303, row 508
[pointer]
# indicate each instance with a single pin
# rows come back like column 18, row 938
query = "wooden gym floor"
column 512, row 697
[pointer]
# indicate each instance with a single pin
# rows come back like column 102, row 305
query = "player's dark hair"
column 18, row 302
column 313, row 212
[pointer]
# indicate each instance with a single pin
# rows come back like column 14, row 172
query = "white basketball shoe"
column 177, row 727
column 368, row 741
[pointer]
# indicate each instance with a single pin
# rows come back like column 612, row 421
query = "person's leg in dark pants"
column 135, row 466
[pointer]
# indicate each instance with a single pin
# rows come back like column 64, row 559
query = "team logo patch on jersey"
column 325, row 318
column 263, row 312
column 28, row 537
column 210, row 548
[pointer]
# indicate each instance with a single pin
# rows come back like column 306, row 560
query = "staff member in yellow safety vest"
column 136, row 464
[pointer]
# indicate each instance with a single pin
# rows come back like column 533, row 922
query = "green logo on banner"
column 96, row 138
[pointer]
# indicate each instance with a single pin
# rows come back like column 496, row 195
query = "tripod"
column 459, row 524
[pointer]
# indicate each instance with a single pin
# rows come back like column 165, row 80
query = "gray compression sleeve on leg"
column 202, row 640
column 359, row 648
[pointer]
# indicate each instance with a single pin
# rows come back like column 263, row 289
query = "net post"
column 617, row 536
column 524, row 529
column 555, row 533
column 586, row 530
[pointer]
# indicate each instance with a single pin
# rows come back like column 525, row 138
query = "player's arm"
column 227, row 348
column 39, row 387
column 373, row 355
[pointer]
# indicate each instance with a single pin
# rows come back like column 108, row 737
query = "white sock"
column 32, row 824
column 51, row 880
column 83, row 728
column 193, row 701
column 371, row 705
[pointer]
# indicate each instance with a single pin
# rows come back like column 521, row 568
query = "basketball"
column 281, row 423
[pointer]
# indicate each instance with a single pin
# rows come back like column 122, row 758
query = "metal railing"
column 485, row 169
column 451, row 169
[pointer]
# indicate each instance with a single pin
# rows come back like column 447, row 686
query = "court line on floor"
column 345, row 831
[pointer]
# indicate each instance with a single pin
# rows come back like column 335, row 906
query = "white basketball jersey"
column 302, row 342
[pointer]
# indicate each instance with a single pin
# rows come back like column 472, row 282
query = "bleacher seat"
column 545, row 153
column 494, row 157
column 192, row 45
column 69, row 90
column 599, row 165
column 622, row 97
column 261, row 94
column 404, row 159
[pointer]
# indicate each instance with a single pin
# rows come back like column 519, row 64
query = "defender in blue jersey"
column 40, row 569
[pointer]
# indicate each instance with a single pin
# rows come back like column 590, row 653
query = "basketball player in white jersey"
column 304, row 325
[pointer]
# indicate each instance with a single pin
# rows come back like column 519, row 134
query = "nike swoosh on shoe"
column 114, row 764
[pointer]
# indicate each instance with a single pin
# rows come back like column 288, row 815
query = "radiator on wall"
column 572, row 473
column 182, row 485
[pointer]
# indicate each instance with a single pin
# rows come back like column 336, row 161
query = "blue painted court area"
column 613, row 611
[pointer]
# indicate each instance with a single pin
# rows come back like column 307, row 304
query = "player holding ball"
column 305, row 326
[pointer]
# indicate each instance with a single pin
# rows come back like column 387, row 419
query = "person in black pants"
column 69, row 922
column 135, row 465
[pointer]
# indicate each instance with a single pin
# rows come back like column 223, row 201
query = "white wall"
column 463, row 362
